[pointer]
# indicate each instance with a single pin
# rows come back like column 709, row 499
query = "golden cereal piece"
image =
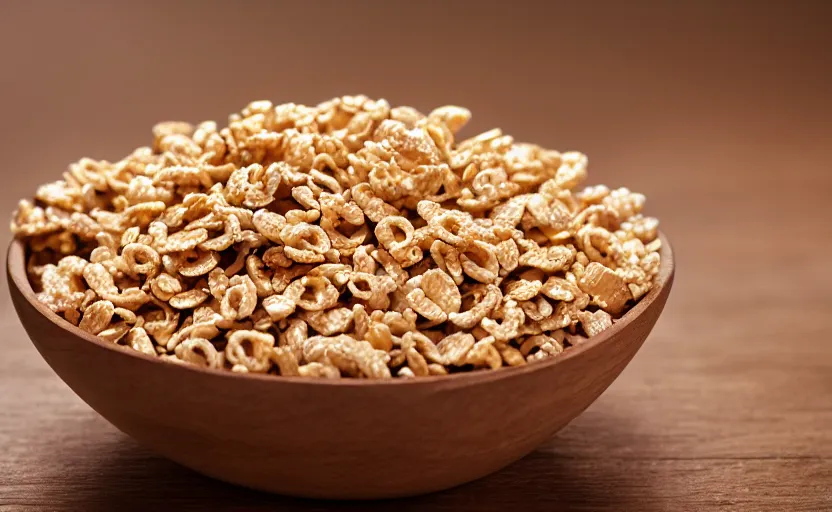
column 558, row 288
column 329, row 322
column 506, row 322
column 537, row 309
column 552, row 259
column 218, row 283
column 141, row 259
column 294, row 337
column 313, row 293
column 397, row 358
column 188, row 299
column 240, row 298
column 479, row 262
column 182, row 176
column 184, row 241
column 319, row 370
column 441, row 290
column 379, row 336
column 349, row 355
column 405, row 373
column 455, row 347
column 446, row 258
column 606, row 288
column 594, row 322
column 102, row 282
column 391, row 266
column 416, row 362
column 424, row 345
column 394, row 233
column 511, row 355
column 421, row 304
column 548, row 345
column 279, row 307
column 285, row 360
column 484, row 354
column 115, row 332
column 522, row 290
column 97, row 316
column 232, row 233
column 453, row 117
column 437, row 369
column 161, row 323
column 373, row 207
column 139, row 340
column 508, row 255
column 250, row 349
column 572, row 171
column 275, row 258
column 126, row 315
column 197, row 263
column 490, row 296
column 305, row 243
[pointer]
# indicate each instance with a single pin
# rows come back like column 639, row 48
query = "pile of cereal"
column 349, row 239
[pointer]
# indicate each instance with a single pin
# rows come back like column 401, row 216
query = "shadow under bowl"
column 346, row 439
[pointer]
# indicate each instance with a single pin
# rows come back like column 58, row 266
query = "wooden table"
column 728, row 406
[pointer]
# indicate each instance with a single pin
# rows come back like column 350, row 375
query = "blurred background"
column 657, row 93
column 653, row 91
column 719, row 111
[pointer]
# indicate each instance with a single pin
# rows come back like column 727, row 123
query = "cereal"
column 454, row 348
column 97, row 316
column 607, row 289
column 352, row 357
column 140, row 341
column 329, row 322
column 250, row 349
column 348, row 239
column 484, row 354
column 539, row 344
column 199, row 352
column 505, row 322
column 240, row 298
column 511, row 355
column 287, row 363
column 141, row 259
column 322, row 371
column 594, row 322
column 197, row 263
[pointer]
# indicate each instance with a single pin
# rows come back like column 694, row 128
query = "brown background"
column 719, row 111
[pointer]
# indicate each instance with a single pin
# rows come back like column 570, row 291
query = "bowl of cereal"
column 338, row 301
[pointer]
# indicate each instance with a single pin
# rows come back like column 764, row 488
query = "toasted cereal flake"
column 511, row 355
column 250, row 349
column 97, row 316
column 319, row 370
column 523, row 290
column 594, row 322
column 606, row 288
column 484, row 354
column 139, row 340
column 286, row 361
column 349, row 355
column 454, row 348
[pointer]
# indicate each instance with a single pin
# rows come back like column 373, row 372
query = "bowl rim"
column 16, row 268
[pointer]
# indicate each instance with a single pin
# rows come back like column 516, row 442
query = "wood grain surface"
column 719, row 111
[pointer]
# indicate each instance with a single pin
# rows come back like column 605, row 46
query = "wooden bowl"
column 335, row 439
